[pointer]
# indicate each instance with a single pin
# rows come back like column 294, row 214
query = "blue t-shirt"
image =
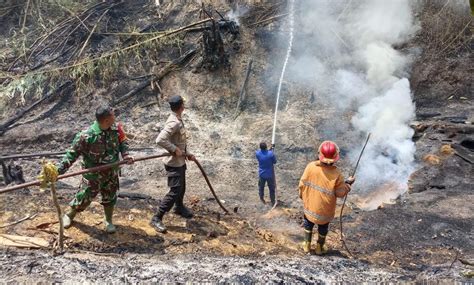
column 266, row 160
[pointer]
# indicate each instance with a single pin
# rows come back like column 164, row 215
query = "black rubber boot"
column 157, row 223
column 183, row 212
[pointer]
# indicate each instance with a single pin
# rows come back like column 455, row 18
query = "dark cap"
column 176, row 100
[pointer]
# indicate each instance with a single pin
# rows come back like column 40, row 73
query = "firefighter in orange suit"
column 321, row 184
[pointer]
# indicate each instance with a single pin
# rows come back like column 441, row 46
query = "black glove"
column 273, row 146
column 350, row 180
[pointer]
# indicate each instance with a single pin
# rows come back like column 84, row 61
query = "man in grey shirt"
column 173, row 138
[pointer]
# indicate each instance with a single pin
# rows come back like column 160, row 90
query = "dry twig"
column 91, row 32
column 19, row 221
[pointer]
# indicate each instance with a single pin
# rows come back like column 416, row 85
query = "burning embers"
column 384, row 194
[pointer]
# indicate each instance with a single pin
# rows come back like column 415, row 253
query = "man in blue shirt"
column 266, row 160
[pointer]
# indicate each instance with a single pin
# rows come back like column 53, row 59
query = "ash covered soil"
column 422, row 235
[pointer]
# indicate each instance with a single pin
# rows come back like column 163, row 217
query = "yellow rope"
column 49, row 174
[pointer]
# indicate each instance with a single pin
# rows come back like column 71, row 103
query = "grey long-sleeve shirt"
column 173, row 135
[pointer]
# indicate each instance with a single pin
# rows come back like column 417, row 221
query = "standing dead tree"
column 243, row 90
column 214, row 54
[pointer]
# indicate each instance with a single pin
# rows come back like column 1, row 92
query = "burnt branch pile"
column 214, row 33
column 95, row 46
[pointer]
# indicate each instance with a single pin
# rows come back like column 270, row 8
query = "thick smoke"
column 344, row 52
column 236, row 13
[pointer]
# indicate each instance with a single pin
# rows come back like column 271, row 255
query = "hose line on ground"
column 47, row 168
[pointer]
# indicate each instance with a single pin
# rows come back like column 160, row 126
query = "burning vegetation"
column 290, row 73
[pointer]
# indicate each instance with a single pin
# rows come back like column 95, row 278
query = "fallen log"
column 134, row 91
column 48, row 113
column 5, row 126
column 165, row 71
column 422, row 116
column 134, row 196
column 463, row 153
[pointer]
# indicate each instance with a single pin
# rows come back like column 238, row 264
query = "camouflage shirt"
column 97, row 147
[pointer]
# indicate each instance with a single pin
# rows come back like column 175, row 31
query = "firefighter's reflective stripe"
column 318, row 188
column 320, row 218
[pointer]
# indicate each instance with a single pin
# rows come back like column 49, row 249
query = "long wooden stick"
column 345, row 198
column 19, row 221
column 41, row 154
column 268, row 19
column 163, row 72
column 108, row 166
column 360, row 155
column 84, row 171
column 91, row 32
column 26, row 14
column 60, row 218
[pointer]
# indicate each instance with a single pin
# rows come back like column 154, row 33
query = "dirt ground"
column 420, row 236
column 211, row 247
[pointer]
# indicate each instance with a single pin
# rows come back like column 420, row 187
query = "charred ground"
column 421, row 236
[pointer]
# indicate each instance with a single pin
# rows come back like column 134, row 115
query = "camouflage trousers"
column 105, row 183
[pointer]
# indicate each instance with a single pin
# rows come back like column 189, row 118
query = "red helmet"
column 328, row 152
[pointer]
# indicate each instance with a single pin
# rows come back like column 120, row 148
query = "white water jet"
column 344, row 51
column 288, row 52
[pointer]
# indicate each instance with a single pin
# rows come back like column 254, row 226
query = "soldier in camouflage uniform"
column 100, row 144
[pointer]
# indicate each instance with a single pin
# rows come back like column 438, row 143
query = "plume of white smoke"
column 236, row 13
column 344, row 51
